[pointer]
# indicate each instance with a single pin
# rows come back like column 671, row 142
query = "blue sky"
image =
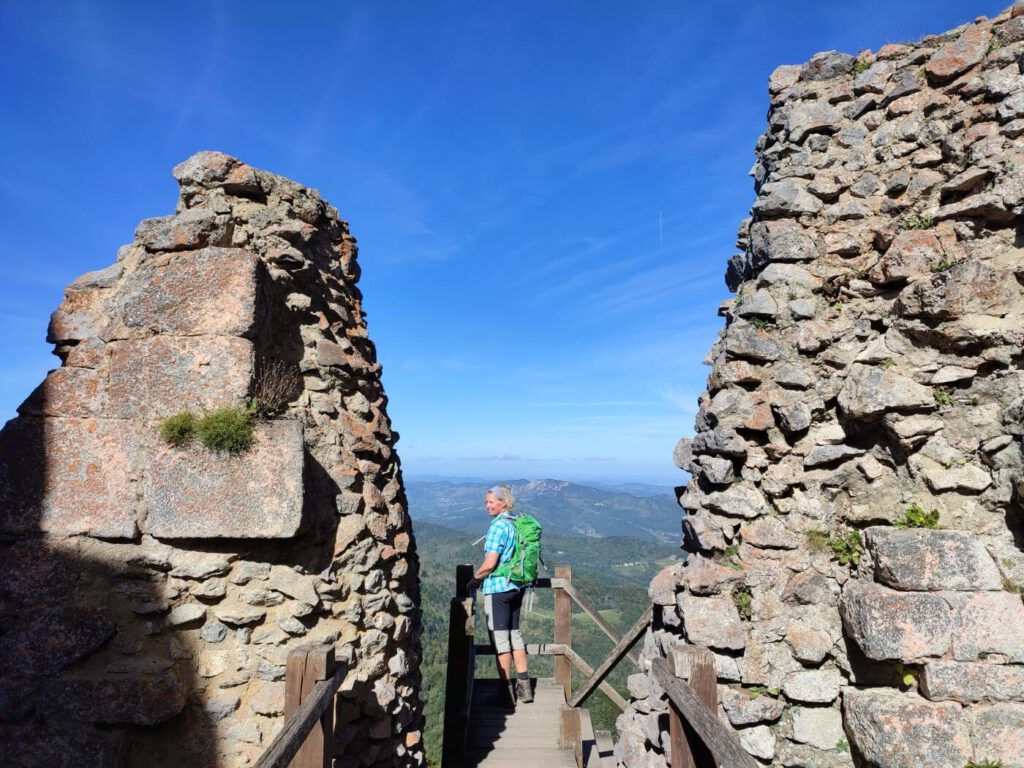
column 545, row 193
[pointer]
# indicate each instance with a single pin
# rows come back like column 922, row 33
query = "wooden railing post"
column 463, row 574
column 306, row 666
column 563, row 629
column 569, row 727
column 697, row 667
column 698, row 739
column 576, row 732
column 461, row 662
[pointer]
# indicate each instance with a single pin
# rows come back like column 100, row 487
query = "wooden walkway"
column 525, row 737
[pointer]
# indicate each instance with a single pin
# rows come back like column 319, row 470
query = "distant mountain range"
column 560, row 506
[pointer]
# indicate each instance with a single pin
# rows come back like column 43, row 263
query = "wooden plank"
column 563, row 629
column 526, row 758
column 306, row 666
column 459, row 675
column 586, row 746
column 512, row 742
column 691, row 663
column 679, row 747
column 694, row 712
column 697, row 666
column 605, row 750
column 618, row 652
column 588, row 671
column 597, row 618
column 287, row 742
column 533, row 649
column 569, row 727
column 519, row 738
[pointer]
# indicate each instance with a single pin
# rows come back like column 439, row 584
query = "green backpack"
column 521, row 568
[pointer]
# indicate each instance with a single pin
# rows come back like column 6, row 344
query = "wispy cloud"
column 500, row 457
column 447, row 363
column 92, row 53
column 672, row 282
column 683, row 399
column 590, row 404
column 22, row 186
column 203, row 88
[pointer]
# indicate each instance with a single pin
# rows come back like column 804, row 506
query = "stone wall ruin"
column 149, row 594
column 869, row 368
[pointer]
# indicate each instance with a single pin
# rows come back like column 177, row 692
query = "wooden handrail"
column 597, row 618
column 613, row 658
column 306, row 739
column 532, row 649
column 706, row 731
column 588, row 671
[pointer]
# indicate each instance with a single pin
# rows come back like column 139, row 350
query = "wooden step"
column 524, row 736
column 605, row 751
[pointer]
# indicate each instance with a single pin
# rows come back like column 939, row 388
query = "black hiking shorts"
column 503, row 612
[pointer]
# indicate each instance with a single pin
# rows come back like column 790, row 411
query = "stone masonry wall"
column 149, row 595
column 870, row 364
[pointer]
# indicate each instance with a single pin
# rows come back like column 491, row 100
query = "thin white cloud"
column 203, row 87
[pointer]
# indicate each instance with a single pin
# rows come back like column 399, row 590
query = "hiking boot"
column 524, row 691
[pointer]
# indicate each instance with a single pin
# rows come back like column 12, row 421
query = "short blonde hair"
column 504, row 493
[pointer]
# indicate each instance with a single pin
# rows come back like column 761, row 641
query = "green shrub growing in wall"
column 847, row 549
column 917, row 517
column 917, row 221
column 729, row 557
column 178, row 429
column 944, row 264
column 744, row 601
column 226, row 429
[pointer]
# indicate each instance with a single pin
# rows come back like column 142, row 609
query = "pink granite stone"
column 190, row 492
column 211, row 291
column 959, row 55
column 160, row 376
column 67, row 476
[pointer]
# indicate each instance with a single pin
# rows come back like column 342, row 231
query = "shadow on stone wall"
column 87, row 659
column 110, row 649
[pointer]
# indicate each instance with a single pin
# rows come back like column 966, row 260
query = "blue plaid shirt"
column 501, row 538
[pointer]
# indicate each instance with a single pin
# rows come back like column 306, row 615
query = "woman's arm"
column 489, row 564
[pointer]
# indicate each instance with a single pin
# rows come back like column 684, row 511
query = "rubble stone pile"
column 855, row 506
column 150, row 592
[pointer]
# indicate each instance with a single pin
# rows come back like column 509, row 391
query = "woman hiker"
column 502, row 598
